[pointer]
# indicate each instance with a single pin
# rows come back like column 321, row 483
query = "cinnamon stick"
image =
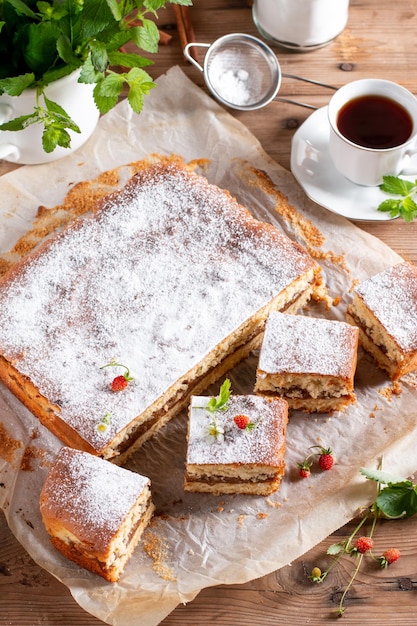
column 185, row 28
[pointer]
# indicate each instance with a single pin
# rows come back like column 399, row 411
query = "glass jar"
column 300, row 24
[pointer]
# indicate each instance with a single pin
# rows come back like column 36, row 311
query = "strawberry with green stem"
column 119, row 382
column 397, row 499
column 325, row 461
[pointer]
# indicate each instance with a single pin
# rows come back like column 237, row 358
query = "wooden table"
column 379, row 41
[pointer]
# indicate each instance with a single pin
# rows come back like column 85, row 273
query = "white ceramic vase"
column 25, row 146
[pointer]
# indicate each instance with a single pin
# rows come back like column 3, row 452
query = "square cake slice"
column 171, row 279
column 95, row 511
column 311, row 362
column 237, row 450
column 384, row 308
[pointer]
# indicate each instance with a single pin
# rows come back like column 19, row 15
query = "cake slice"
column 384, row 308
column 236, row 448
column 171, row 279
column 95, row 511
column 310, row 362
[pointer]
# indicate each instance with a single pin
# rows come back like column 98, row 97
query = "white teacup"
column 25, row 146
column 363, row 151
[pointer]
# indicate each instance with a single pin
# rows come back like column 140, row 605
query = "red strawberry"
column 363, row 544
column 389, row 556
column 326, row 459
column 241, row 421
column 304, row 469
column 119, row 383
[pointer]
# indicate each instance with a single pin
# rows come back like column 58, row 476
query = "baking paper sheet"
column 201, row 540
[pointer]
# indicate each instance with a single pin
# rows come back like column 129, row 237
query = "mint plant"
column 42, row 41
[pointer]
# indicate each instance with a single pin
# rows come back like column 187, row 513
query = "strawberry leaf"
column 335, row 548
column 381, row 477
column 398, row 500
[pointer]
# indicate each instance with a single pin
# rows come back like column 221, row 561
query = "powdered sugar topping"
column 306, row 345
column 260, row 445
column 391, row 295
column 155, row 280
column 92, row 496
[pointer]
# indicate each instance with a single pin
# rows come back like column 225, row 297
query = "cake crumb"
column 395, row 389
column 8, row 445
column 262, row 516
column 158, row 551
column 374, row 411
column 240, row 520
column 276, row 505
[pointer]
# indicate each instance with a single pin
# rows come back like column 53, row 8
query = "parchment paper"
column 199, row 541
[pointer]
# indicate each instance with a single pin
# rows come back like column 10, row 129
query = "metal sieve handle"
column 190, row 58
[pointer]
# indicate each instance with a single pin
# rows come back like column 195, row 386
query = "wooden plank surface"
column 379, row 41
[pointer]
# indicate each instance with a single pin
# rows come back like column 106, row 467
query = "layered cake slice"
column 235, row 446
column 384, row 308
column 311, row 362
column 95, row 511
column 170, row 280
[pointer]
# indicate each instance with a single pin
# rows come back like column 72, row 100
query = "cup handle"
column 9, row 152
column 410, row 166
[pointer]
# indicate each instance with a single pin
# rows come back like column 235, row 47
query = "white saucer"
column 313, row 169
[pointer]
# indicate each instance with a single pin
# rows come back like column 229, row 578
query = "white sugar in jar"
column 300, row 24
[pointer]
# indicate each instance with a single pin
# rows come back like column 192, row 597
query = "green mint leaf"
column 398, row 500
column 390, row 206
column 99, row 57
column 140, row 83
column 94, row 18
column 115, row 9
column 154, row 5
column 20, row 123
column 41, row 52
column 145, row 36
column 396, row 186
column 89, row 74
column 124, row 59
column 16, row 85
column 60, row 116
column 408, row 209
column 219, row 403
column 53, row 137
column 104, row 102
column 22, row 8
column 65, row 51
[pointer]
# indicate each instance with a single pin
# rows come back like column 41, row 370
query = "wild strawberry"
column 120, row 382
column 389, row 556
column 243, row 422
column 326, row 459
column 304, row 469
column 363, row 544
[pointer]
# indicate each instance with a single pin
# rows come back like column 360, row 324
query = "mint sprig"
column 220, row 402
column 404, row 206
column 42, row 41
